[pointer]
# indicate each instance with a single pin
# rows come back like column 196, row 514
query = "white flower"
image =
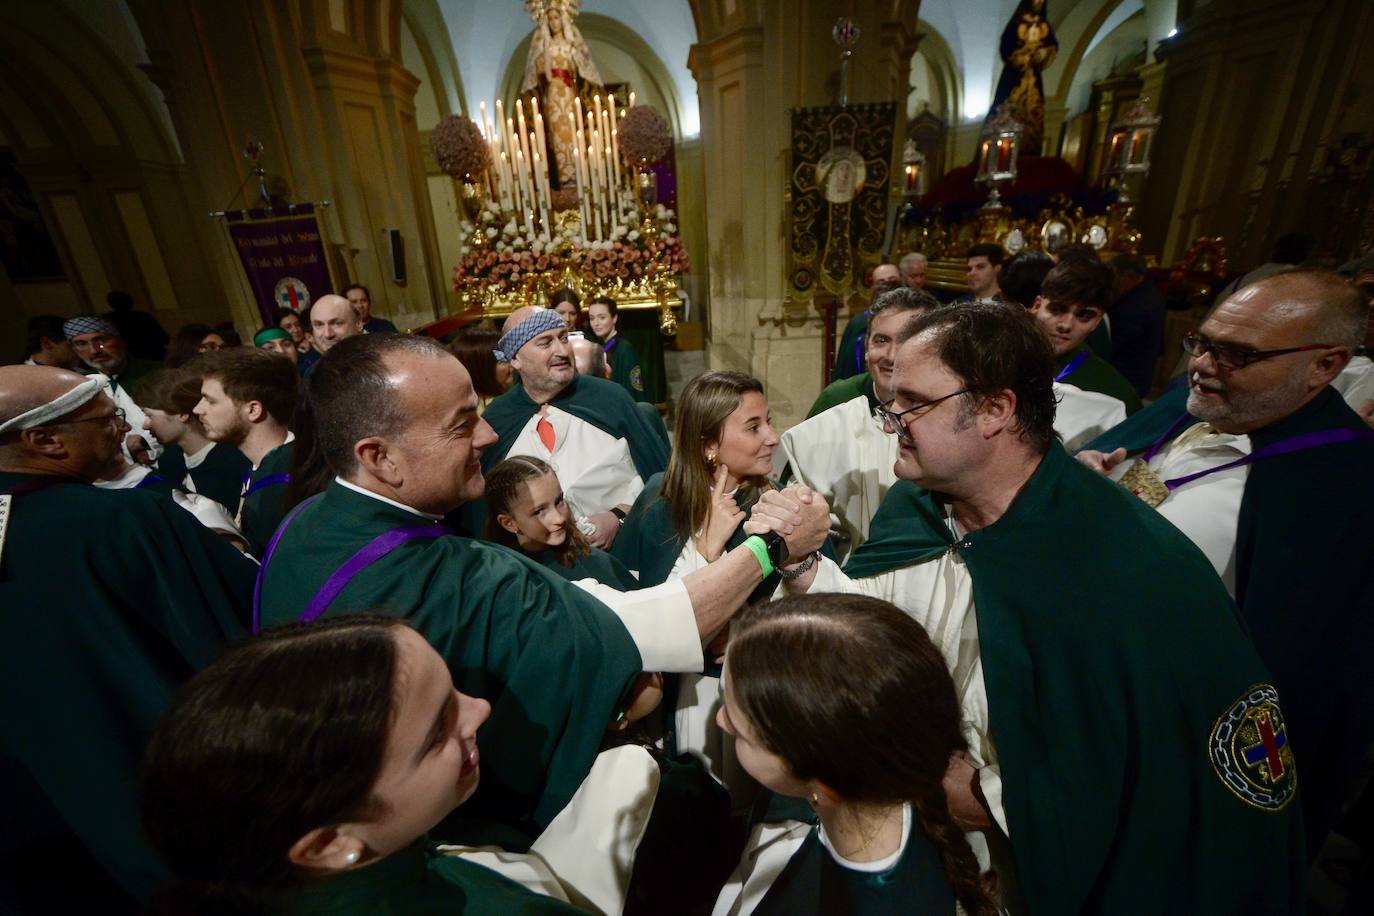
column 465, row 227
column 492, row 207
column 670, row 228
column 537, row 247
column 509, row 228
column 634, row 234
column 491, row 232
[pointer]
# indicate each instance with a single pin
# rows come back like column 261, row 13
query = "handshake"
column 797, row 513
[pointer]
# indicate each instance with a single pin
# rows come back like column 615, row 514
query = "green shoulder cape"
column 843, row 390
column 625, row 368
column 598, row 565
column 1304, row 584
column 552, row 660
column 849, row 360
column 1125, row 698
column 111, row 598
column 264, row 500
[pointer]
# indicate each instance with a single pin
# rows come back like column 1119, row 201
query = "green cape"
column 419, row 880
column 1096, row 374
column 849, row 360
column 111, row 598
column 1111, row 654
column 641, row 328
column 1304, row 584
column 598, row 565
column 219, row 476
column 552, row 660
column 625, row 368
column 263, row 508
column 843, row 390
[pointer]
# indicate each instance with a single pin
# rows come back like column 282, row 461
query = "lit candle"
column 615, row 146
column 541, row 187
column 632, row 100
column 524, row 141
column 539, row 135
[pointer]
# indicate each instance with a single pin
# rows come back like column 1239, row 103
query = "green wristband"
column 760, row 551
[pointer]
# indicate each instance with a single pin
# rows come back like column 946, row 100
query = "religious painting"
column 838, row 194
column 26, row 247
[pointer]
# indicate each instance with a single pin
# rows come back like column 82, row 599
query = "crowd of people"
column 350, row 620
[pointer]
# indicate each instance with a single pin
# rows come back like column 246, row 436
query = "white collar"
column 879, row 865
column 196, row 459
column 390, row 502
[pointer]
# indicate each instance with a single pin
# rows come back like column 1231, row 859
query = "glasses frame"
column 1243, row 357
column 115, row 418
column 894, row 419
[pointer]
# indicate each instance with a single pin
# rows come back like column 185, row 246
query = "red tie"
column 545, row 430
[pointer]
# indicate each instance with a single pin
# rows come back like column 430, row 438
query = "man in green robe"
column 112, row 598
column 1260, row 463
column 398, row 424
column 1127, row 750
column 849, row 358
column 247, row 397
column 1072, row 304
column 602, row 446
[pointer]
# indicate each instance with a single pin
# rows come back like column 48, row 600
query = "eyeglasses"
column 894, row 421
column 115, row 418
column 1229, row 357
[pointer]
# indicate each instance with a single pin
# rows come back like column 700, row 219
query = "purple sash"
column 149, row 480
column 371, row 552
column 269, row 480
column 1282, row 447
column 1072, row 366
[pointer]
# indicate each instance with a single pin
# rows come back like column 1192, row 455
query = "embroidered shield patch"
column 636, row 379
column 1250, row 751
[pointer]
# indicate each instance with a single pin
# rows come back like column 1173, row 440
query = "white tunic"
column 772, row 845
column 1356, row 381
column 595, row 468
column 1206, row 510
column 843, row 454
column 1082, row 416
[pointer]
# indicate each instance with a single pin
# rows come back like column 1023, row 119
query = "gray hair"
column 910, row 260
column 902, row 299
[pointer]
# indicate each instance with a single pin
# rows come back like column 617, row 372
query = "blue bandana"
column 88, row 324
column 511, row 342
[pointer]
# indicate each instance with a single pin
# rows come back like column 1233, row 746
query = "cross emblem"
column 1267, row 750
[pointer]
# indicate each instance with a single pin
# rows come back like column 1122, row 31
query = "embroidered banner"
column 283, row 256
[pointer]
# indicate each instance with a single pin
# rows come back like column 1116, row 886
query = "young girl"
column 526, row 511
column 862, row 733
column 687, row 517
column 191, row 461
column 603, row 317
column 301, row 772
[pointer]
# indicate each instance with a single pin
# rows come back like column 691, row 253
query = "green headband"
column 267, row 334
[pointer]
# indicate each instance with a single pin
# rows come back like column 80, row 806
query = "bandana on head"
column 59, row 406
column 267, row 334
column 88, row 324
column 511, row 342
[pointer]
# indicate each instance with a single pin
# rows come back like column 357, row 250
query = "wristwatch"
column 777, row 549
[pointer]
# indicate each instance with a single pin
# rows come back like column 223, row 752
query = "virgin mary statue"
column 557, row 70
column 1028, row 48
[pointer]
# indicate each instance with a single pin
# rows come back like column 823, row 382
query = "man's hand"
column 798, row 513
column 138, row 448
column 607, row 527
column 1102, row 462
column 966, row 806
column 1366, row 412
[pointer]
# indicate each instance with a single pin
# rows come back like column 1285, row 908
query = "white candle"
column 539, row 135
column 507, row 201
column 528, row 203
column 524, row 142
column 632, row 100
column 615, row 199
column 541, row 191
column 513, row 149
column 577, row 177
column 615, row 145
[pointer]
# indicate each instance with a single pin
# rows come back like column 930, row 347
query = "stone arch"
column 945, row 69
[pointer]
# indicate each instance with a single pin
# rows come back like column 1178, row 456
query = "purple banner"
column 283, row 256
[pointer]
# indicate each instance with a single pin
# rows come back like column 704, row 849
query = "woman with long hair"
column 844, row 709
column 691, row 514
column 301, row 771
column 526, row 511
column 473, row 346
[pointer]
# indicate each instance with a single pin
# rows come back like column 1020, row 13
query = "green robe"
column 1113, row 659
column 625, row 367
column 1096, row 374
column 850, row 359
column 261, row 510
column 552, row 660
column 846, row 389
column 640, row 327
column 1304, row 584
column 111, row 599
column 598, row 565
column 219, row 476
column 419, row 880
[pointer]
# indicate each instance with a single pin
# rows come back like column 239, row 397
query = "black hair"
column 185, row 345
column 994, row 347
column 606, row 301
column 990, row 250
column 473, row 346
column 1022, row 275
column 40, row 326
column 1075, row 282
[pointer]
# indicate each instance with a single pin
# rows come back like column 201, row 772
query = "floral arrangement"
column 644, row 136
column 511, row 257
column 459, row 147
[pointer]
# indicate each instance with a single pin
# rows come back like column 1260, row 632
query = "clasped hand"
column 797, row 513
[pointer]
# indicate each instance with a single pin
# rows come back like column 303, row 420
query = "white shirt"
column 1081, row 416
column 595, row 468
column 660, row 620
column 135, row 417
column 843, row 454
column 1207, row 509
column 1356, row 381
column 772, row 845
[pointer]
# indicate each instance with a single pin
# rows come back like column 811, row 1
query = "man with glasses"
column 1266, row 469
column 111, row 599
column 97, row 343
column 1102, row 673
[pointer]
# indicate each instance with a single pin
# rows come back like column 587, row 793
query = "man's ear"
column 1327, row 366
column 327, row 849
column 254, row 412
column 1037, row 304
column 374, row 456
column 515, row 363
column 45, row 441
column 997, row 412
